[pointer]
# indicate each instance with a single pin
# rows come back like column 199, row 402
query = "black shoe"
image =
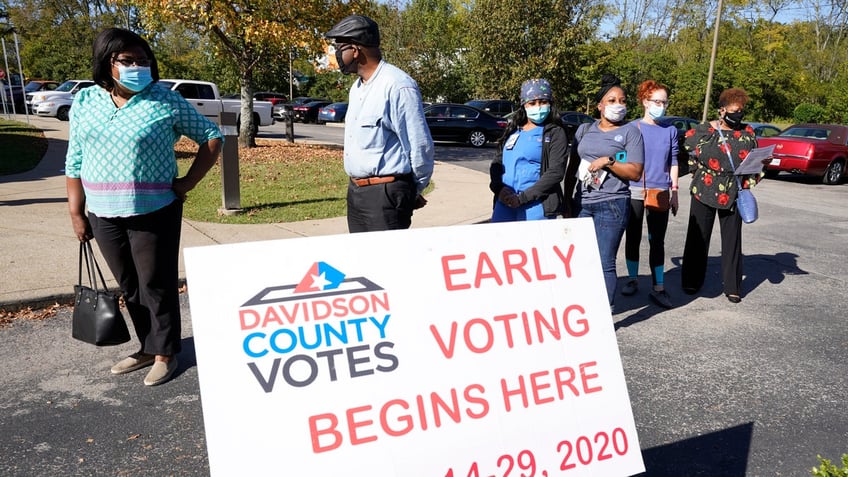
column 630, row 288
column 733, row 298
column 661, row 298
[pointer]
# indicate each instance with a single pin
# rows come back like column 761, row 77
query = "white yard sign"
column 473, row 351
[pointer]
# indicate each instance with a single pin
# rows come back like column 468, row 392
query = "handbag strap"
column 729, row 157
column 90, row 266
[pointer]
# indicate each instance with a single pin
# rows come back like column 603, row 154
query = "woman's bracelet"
column 674, row 187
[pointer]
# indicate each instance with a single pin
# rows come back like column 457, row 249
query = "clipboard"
column 753, row 163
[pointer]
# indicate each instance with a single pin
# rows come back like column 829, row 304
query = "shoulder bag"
column 97, row 315
column 655, row 199
column 746, row 203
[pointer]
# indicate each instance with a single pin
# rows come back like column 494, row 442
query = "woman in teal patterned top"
column 711, row 147
column 121, row 166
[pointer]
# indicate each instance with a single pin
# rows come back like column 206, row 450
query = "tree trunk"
column 247, row 127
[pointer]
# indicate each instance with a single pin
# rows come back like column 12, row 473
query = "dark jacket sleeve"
column 496, row 172
column 550, row 182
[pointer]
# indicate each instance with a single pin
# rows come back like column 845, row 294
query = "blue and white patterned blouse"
column 125, row 156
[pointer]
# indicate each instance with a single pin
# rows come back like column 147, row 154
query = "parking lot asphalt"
column 717, row 389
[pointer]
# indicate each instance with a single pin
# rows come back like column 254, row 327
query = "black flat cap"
column 355, row 29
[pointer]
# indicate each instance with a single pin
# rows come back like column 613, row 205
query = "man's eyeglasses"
column 659, row 102
column 132, row 61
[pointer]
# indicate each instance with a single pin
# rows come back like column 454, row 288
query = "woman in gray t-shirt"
column 611, row 155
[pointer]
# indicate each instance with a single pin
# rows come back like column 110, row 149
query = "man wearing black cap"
column 388, row 151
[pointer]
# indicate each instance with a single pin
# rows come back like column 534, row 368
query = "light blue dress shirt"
column 385, row 130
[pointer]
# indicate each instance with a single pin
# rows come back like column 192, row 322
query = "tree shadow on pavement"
column 723, row 453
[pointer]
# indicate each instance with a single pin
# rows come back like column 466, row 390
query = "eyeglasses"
column 132, row 61
column 659, row 102
column 342, row 47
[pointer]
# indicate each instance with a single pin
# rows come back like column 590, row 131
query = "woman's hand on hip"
column 180, row 186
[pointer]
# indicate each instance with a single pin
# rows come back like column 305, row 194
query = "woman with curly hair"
column 660, row 173
column 714, row 188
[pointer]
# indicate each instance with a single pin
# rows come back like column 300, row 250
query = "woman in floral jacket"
column 714, row 190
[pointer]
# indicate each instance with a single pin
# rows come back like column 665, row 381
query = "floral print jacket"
column 713, row 183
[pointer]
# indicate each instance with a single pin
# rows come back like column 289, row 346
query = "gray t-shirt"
column 592, row 143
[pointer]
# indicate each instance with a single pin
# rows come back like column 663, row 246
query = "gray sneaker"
column 630, row 288
column 661, row 298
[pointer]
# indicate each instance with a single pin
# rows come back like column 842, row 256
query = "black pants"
column 701, row 220
column 143, row 254
column 381, row 206
column 657, row 226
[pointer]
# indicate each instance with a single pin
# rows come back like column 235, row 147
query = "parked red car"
column 811, row 149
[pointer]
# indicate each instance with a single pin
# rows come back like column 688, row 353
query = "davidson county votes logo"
column 326, row 326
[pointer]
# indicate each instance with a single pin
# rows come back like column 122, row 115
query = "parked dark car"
column 764, row 130
column 572, row 120
column 279, row 109
column 19, row 95
column 819, row 150
column 332, row 113
column 462, row 123
column 682, row 124
column 576, row 118
column 308, row 112
column 495, row 107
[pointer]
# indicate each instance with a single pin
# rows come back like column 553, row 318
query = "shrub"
column 808, row 113
column 826, row 469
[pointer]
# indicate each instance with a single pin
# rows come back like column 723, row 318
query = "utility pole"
column 712, row 64
column 291, row 75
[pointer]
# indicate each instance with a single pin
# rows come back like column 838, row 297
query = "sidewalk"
column 38, row 256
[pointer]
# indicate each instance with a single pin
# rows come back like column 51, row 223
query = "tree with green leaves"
column 510, row 42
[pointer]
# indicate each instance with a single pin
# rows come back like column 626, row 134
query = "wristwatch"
column 610, row 161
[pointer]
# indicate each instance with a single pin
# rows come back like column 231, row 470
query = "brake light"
column 501, row 124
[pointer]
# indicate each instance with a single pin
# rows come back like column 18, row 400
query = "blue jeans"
column 610, row 219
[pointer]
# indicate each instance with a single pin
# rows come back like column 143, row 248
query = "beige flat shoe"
column 133, row 362
column 160, row 372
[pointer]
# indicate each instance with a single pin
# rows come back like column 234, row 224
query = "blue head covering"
column 536, row 89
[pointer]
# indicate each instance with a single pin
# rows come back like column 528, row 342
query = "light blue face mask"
column 134, row 78
column 538, row 114
column 656, row 112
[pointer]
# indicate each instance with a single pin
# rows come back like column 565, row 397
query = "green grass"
column 21, row 147
column 279, row 184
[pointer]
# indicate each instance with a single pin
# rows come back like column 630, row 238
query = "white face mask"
column 615, row 112
column 656, row 112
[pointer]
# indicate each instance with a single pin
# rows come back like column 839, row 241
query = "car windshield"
column 66, row 86
column 813, row 133
column 32, row 86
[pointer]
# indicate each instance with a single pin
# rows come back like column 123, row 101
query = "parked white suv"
column 57, row 103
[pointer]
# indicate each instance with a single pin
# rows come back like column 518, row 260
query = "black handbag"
column 97, row 314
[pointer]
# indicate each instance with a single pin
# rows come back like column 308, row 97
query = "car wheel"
column 833, row 174
column 62, row 113
column 477, row 138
